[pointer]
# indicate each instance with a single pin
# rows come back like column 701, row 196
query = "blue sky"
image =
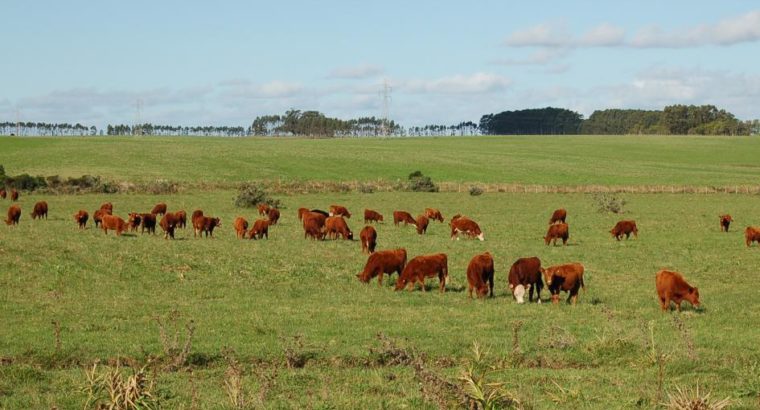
column 200, row 63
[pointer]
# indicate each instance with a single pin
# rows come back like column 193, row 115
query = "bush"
column 475, row 191
column 421, row 183
column 84, row 182
column 252, row 194
column 609, row 203
column 367, row 188
column 160, row 187
column 26, row 182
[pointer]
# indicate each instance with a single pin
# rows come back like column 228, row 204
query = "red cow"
column 240, row 225
column 558, row 216
column 14, row 195
column 259, row 230
column 273, row 215
column 671, row 286
column 263, row 209
column 107, row 206
column 434, row 214
column 625, row 228
column 422, row 224
column 196, row 214
column 336, row 225
column 159, row 209
column 525, row 275
column 81, row 217
column 134, row 221
column 113, row 223
column 168, row 223
column 752, row 234
column 206, row 224
column 181, row 217
column 403, row 216
column 314, row 225
column 14, row 214
column 467, row 226
column 301, row 212
column 40, row 210
column 567, row 278
column 368, row 236
column 372, row 216
column 383, row 262
column 725, row 221
column 148, row 221
column 557, row 231
column 480, row 275
column 425, row 266
column 337, row 210
column 98, row 215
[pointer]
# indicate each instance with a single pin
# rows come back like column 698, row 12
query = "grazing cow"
column 567, row 278
column 625, row 228
column 40, row 210
column 159, row 209
column 273, row 215
column 557, row 231
column 425, row 266
column 301, row 212
column 3, row 194
column 319, row 211
column 113, row 223
column 107, row 206
column 467, row 226
column 671, row 286
column 14, row 214
column 181, row 217
column 368, row 236
column 263, row 209
column 383, row 262
column 98, row 215
column 525, row 274
column 454, row 218
column 81, row 217
column 558, row 215
column 336, row 225
column 422, row 224
column 148, row 221
column 240, row 225
column 434, row 214
column 134, row 221
column 259, row 230
column 725, row 221
column 314, row 225
column 752, row 234
column 14, row 195
column 480, row 275
column 205, row 224
column 168, row 223
column 403, row 216
column 372, row 216
column 337, row 210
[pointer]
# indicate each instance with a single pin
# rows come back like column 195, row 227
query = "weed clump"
column 421, row 183
column 253, row 194
column 609, row 203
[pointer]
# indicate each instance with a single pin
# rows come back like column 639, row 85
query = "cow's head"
column 217, row 222
column 519, row 293
column 482, row 290
column 693, row 297
column 350, row 235
column 363, row 276
column 480, row 236
column 548, row 274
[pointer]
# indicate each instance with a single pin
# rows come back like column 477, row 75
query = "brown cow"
column 368, row 237
column 113, row 223
column 134, row 221
column 81, row 217
column 40, row 210
column 467, row 226
column 480, row 275
column 383, row 262
column 625, row 228
column 558, row 215
column 159, row 209
column 752, row 234
column 240, row 225
column 425, row 266
column 273, row 215
column 422, row 224
column 319, row 211
column 557, row 231
column 98, row 215
column 671, row 286
column 434, row 214
column 205, row 224
column 14, row 214
column 567, row 278
column 301, row 212
column 372, row 216
column 259, row 230
column 725, row 221
column 314, row 225
column 337, row 210
column 263, row 209
column 181, row 217
column 525, row 275
column 107, row 206
column 336, row 225
column 3, row 194
column 403, row 216
column 196, row 214
column 14, row 195
column 168, row 223
column 148, row 221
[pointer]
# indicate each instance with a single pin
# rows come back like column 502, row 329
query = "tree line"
column 46, row 129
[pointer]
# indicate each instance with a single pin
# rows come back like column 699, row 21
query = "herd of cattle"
column 526, row 275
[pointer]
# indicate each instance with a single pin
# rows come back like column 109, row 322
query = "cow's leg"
column 530, row 294
column 380, row 279
column 678, row 306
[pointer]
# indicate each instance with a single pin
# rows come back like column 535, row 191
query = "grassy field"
column 288, row 299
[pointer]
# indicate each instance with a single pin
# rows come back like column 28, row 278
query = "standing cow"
column 81, row 217
column 625, row 228
column 383, row 262
column 338, row 210
column 403, row 216
column 368, row 237
column 752, row 234
column 466, row 226
column 671, row 286
column 480, row 275
column 557, row 231
column 159, row 209
column 372, row 216
column 40, row 210
column 434, row 214
column 273, row 215
column 14, row 214
column 422, row 224
column 14, row 195
column 558, row 215
column 336, row 226
column 725, row 221
column 259, row 230
column 525, row 275
column 425, row 266
column 240, row 225
column 566, row 278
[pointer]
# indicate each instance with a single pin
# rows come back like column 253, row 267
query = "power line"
column 385, row 93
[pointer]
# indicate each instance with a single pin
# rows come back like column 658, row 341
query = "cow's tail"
column 583, row 285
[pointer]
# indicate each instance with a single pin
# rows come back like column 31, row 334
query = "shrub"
column 160, row 187
column 26, row 182
column 421, row 183
column 475, row 191
column 367, row 188
column 609, row 203
column 252, row 194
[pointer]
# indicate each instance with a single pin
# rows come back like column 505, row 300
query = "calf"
column 372, row 216
column 205, row 224
column 422, row 224
column 14, row 195
column 273, row 215
column 263, row 209
column 725, row 221
column 240, row 225
column 259, row 230
column 557, row 231
column 14, row 214
column 480, row 275
column 368, row 237
column 40, row 210
column 181, row 217
column 98, row 215
column 337, row 210
column 403, row 216
column 134, row 221
column 567, row 278
column 383, row 262
column 314, row 225
column 81, row 217
column 525, row 274
column 424, row 266
column 148, row 221
column 168, row 223
column 671, row 286
column 113, row 223
column 336, row 225
column 434, row 214
column 558, row 216
column 625, row 228
column 752, row 234
column 467, row 226
column 159, row 209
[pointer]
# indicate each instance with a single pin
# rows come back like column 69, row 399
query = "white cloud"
column 543, row 56
column 541, row 35
column 477, row 83
column 604, row 35
column 361, row 71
